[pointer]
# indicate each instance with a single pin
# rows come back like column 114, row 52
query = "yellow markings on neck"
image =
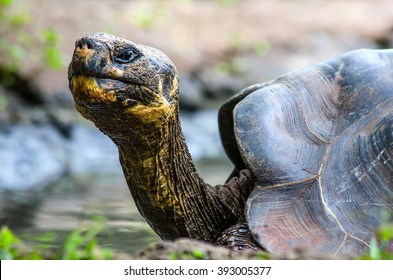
column 150, row 170
column 175, row 86
column 156, row 112
column 163, row 194
column 159, row 110
column 160, row 87
column 85, row 88
column 148, row 174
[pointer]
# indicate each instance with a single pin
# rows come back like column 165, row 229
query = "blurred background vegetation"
column 20, row 43
column 57, row 171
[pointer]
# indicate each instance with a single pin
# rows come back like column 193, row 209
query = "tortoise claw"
column 238, row 238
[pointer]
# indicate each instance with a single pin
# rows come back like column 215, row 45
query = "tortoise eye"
column 126, row 56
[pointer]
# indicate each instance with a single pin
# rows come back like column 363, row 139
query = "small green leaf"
column 238, row 66
column 53, row 58
column 35, row 255
column 261, row 48
column 49, row 36
column 107, row 254
column 7, row 238
column 172, row 256
column 198, row 254
column 262, row 256
column 386, row 232
column 46, row 237
column 375, row 253
column 20, row 19
column 6, row 3
column 144, row 18
column 223, row 68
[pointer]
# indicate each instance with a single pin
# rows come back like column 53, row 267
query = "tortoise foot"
column 238, row 238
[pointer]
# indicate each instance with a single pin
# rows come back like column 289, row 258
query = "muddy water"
column 73, row 201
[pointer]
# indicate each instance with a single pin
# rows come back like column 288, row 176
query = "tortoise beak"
column 87, row 56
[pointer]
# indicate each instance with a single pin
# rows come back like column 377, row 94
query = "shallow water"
column 73, row 201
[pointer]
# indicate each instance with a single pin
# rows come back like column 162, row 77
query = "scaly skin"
column 131, row 93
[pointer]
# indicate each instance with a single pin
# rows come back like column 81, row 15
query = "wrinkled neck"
column 161, row 176
column 155, row 159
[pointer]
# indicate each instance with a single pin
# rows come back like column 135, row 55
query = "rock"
column 191, row 94
column 31, row 157
column 201, row 132
column 220, row 86
column 90, row 151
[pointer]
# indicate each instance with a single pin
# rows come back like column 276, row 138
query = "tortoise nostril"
column 85, row 43
column 89, row 44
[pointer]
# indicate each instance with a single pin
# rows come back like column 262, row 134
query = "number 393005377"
column 243, row 270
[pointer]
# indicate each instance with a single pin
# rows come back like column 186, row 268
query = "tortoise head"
column 114, row 80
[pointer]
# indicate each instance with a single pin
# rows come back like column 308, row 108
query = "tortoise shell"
column 320, row 142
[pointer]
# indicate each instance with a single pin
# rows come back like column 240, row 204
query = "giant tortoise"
column 313, row 149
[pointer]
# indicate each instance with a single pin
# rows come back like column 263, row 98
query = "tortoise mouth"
column 94, row 90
